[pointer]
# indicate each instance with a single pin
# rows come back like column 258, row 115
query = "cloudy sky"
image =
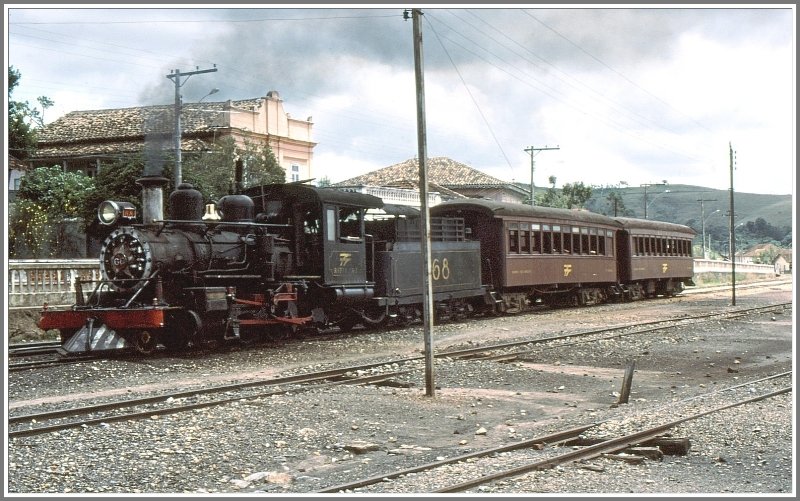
column 633, row 95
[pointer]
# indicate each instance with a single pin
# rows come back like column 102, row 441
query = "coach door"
column 344, row 245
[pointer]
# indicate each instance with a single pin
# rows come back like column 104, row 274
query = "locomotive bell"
column 211, row 213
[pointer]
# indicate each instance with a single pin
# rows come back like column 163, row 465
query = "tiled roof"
column 413, row 184
column 15, row 163
column 441, row 170
column 106, row 148
column 121, row 124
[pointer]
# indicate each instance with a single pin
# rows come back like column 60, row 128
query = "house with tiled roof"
column 778, row 256
column 447, row 179
column 85, row 140
column 16, row 169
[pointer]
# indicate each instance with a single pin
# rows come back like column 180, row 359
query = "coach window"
column 576, row 240
column 524, row 238
column 585, row 241
column 594, row 246
column 536, row 238
column 557, row 247
column 567, row 232
column 606, row 245
column 513, row 238
column 547, row 239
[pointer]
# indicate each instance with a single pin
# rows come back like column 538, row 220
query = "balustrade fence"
column 33, row 282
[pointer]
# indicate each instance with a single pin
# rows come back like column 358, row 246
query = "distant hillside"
column 679, row 203
column 769, row 216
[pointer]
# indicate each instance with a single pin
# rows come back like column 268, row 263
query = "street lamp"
column 645, row 185
column 212, row 91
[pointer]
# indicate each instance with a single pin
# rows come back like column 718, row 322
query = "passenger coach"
column 655, row 258
column 532, row 254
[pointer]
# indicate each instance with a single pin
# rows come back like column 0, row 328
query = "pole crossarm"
column 533, row 151
column 645, row 185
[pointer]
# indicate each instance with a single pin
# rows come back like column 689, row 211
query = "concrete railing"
column 715, row 266
column 33, row 282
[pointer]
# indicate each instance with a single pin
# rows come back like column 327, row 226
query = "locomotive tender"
column 284, row 257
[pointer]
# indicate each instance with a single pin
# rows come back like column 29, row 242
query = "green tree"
column 46, row 196
column 575, row 195
column 23, row 119
column 21, row 134
column 767, row 256
column 615, row 205
column 212, row 172
column 115, row 181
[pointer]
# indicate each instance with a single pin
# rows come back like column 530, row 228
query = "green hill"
column 758, row 218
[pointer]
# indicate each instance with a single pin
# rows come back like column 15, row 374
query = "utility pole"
column 732, row 232
column 425, row 236
column 645, row 185
column 703, row 220
column 175, row 76
column 533, row 151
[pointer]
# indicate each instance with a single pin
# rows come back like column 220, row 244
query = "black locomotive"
column 275, row 259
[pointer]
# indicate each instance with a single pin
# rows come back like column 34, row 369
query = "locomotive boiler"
column 190, row 278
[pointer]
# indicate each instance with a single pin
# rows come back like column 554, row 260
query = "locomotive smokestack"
column 152, row 198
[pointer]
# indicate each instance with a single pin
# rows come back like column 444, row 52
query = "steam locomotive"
column 275, row 259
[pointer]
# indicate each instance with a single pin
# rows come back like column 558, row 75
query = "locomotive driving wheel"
column 286, row 330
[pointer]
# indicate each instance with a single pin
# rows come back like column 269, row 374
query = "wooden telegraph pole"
column 425, row 236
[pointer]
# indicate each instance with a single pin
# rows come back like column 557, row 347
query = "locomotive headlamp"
column 109, row 212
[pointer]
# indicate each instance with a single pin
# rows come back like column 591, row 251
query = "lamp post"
column 645, row 185
column 703, row 219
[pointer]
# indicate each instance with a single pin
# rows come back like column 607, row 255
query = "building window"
column 295, row 172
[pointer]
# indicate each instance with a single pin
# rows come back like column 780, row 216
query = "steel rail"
column 189, row 407
column 606, row 447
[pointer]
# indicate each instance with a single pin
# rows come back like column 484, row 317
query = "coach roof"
column 630, row 223
column 512, row 210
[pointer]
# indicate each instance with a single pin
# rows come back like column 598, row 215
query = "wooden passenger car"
column 541, row 253
column 655, row 258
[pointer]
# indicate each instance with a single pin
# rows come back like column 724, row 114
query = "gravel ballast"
column 308, row 440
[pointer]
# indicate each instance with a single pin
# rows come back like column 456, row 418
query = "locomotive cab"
column 324, row 229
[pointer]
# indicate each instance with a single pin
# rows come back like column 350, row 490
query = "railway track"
column 559, row 448
column 181, row 401
column 170, row 403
